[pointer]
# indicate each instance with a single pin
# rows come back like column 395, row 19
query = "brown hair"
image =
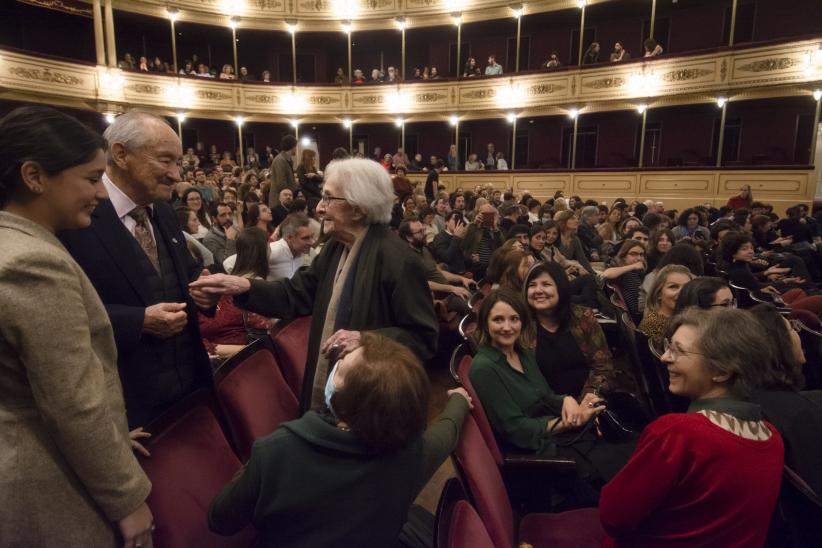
column 384, row 398
column 515, row 301
column 509, row 270
column 652, row 302
column 627, row 246
column 307, row 160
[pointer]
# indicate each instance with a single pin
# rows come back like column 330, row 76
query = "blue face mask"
column 330, row 388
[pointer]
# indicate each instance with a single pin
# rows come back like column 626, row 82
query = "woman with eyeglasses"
column 705, row 292
column 524, row 410
column 193, row 200
column 711, row 476
column 797, row 415
column 628, row 274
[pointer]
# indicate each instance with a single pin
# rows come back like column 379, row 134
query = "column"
column 110, row 44
column 99, row 37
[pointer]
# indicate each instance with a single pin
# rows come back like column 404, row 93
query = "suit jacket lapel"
column 116, row 239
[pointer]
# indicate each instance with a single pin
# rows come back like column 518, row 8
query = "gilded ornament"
column 45, row 75
column 370, row 100
column 768, row 65
column 146, row 89
column 322, row 100
column 212, row 95
column 262, row 99
column 685, row 74
column 429, row 97
column 480, row 94
column 723, row 71
column 606, row 83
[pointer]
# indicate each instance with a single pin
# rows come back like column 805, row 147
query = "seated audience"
column 797, row 416
column 259, row 216
column 473, row 164
column 340, row 78
column 705, row 292
column 230, row 329
column 652, row 48
column 661, row 302
column 742, row 200
column 523, row 409
column 552, row 62
column 373, row 440
column 587, row 233
column 627, row 275
column 660, row 243
column 470, row 68
column 447, row 244
column 683, row 254
column 687, row 226
column 609, row 230
column 513, row 269
column 571, row 350
column 502, row 165
column 482, row 237
column 620, row 53
column 192, row 198
column 709, row 477
column 227, row 73
column 221, row 238
column 591, row 55
column 189, row 225
column 569, row 243
column 493, row 68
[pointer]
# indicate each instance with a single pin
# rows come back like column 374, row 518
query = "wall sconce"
column 294, row 123
column 643, row 83
column 292, row 27
column 510, row 96
column 293, row 103
column 455, row 5
column 345, row 8
column 517, row 11
column 347, row 123
column 399, row 122
column 401, row 23
column 581, row 3
column 181, row 117
column 239, row 120
column 346, row 27
column 453, row 119
column 173, row 14
column 817, row 94
column 573, row 114
column 109, row 116
column 232, row 22
column 232, row 7
column 112, row 80
column 397, row 101
column 642, row 108
column 457, row 19
column 721, row 102
column 511, row 117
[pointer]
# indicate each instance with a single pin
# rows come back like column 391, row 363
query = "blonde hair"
column 652, row 302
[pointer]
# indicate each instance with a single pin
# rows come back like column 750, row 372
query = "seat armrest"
column 529, row 460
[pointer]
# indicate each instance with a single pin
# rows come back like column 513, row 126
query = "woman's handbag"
column 623, row 418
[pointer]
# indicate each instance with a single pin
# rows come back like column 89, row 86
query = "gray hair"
column 365, row 185
column 292, row 223
column 589, row 211
column 652, row 302
column 729, row 341
column 131, row 130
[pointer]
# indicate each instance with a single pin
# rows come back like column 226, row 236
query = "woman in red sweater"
column 743, row 199
column 711, row 476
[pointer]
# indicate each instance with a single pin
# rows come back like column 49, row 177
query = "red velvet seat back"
column 463, row 369
column 483, row 479
column 190, row 462
column 255, row 400
column 467, row 530
column 291, row 343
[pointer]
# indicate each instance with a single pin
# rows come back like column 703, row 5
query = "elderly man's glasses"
column 327, row 199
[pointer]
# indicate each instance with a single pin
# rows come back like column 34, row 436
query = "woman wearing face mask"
column 711, row 476
column 523, row 409
column 797, row 415
column 313, row 481
column 662, row 301
column 571, row 349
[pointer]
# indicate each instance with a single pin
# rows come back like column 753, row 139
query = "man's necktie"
column 143, row 234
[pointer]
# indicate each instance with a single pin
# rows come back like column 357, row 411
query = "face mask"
column 330, row 388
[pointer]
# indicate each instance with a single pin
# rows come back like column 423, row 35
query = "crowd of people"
column 194, row 66
column 145, row 265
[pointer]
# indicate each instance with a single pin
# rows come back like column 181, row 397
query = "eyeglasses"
column 727, row 304
column 326, row 199
column 636, row 254
column 668, row 348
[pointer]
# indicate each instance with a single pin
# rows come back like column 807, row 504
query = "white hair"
column 132, row 129
column 365, row 185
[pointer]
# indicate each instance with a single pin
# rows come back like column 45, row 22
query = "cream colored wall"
column 677, row 189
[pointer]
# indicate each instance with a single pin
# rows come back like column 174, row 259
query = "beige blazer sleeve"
column 58, row 326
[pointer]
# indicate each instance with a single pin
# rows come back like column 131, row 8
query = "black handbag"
column 623, row 418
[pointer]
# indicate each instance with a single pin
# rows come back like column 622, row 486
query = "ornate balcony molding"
column 326, row 15
column 785, row 69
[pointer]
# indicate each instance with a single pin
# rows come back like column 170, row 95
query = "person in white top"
column 288, row 254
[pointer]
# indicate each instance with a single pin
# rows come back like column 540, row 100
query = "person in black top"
column 432, row 181
column 591, row 54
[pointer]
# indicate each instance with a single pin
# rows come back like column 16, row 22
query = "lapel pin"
column 174, row 240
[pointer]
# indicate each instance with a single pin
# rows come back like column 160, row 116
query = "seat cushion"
column 467, row 529
column 291, row 344
column 572, row 529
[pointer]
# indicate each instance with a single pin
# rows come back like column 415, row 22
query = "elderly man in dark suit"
column 135, row 255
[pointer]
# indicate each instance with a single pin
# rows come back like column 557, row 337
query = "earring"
column 37, row 189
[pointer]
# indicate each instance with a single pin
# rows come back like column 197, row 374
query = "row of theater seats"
column 198, row 446
column 478, row 510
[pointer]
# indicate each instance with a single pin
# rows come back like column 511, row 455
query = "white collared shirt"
column 123, row 205
column 281, row 263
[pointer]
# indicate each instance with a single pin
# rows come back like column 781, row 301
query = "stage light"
column 581, row 3
column 517, row 12
column 457, row 18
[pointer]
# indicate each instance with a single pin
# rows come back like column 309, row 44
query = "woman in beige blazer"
column 68, row 476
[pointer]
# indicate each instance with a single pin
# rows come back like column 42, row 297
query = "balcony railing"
column 775, row 70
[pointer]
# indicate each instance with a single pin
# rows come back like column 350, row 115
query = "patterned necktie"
column 143, row 234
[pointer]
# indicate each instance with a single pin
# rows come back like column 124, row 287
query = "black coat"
column 447, row 249
column 391, row 296
column 106, row 253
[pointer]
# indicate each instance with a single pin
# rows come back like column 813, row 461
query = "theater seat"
column 575, row 528
column 291, row 346
column 254, row 395
column 467, row 530
column 190, row 462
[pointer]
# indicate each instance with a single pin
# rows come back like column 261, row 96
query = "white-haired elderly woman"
column 363, row 279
